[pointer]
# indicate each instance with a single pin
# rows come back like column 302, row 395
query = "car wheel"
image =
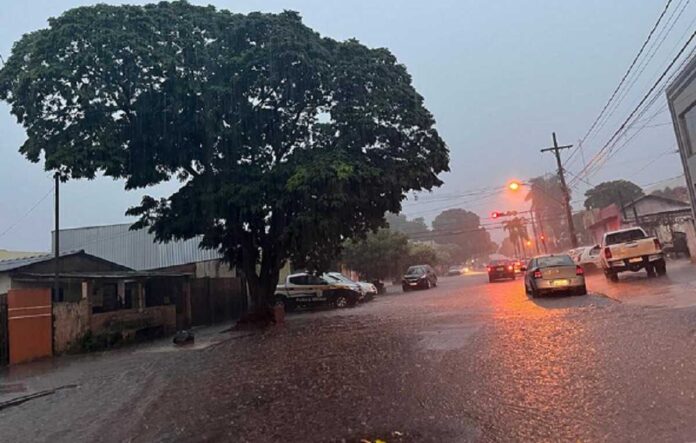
column 661, row 268
column 582, row 290
column 427, row 284
column 341, row 301
column 534, row 293
column 513, row 277
column 490, row 279
column 650, row 269
column 611, row 276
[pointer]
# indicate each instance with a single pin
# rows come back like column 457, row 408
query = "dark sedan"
column 501, row 269
column 419, row 277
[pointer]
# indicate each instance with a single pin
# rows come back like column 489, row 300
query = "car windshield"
column 416, row 270
column 499, row 262
column 554, row 261
column 338, row 277
column 625, row 236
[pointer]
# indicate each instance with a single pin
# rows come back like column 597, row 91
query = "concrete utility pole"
column 566, row 194
column 56, row 242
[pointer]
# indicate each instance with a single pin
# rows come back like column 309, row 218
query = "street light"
column 514, row 186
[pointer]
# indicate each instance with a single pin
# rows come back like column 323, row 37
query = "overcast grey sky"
column 499, row 76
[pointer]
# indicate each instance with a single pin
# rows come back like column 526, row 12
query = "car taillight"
column 509, row 268
column 607, row 253
column 488, row 268
column 537, row 274
column 579, row 270
column 658, row 246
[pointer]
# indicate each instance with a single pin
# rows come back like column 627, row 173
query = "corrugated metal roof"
column 134, row 249
column 15, row 263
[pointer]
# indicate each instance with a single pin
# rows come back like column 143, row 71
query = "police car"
column 303, row 289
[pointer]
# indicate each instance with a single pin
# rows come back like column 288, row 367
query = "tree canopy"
column 618, row 192
column 412, row 228
column 546, row 197
column 679, row 193
column 462, row 228
column 284, row 143
column 378, row 256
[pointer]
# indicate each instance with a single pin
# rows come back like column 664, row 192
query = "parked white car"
column 589, row 257
column 368, row 290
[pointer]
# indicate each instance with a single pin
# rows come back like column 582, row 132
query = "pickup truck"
column 631, row 250
column 303, row 289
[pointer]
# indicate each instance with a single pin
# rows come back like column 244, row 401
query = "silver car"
column 548, row 274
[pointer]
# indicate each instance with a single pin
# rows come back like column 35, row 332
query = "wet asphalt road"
column 467, row 361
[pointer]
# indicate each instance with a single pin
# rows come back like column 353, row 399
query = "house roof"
column 17, row 263
column 11, row 255
column 659, row 197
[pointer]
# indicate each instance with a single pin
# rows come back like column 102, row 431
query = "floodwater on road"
column 466, row 361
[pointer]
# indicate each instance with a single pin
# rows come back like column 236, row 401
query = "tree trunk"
column 262, row 286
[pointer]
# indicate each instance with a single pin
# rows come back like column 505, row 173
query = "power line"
column 606, row 148
column 623, row 79
column 26, row 214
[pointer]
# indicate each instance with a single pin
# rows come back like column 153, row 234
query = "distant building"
column 138, row 249
column 661, row 217
column 217, row 292
column 11, row 255
column 681, row 97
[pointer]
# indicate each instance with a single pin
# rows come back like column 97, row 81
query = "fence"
column 217, row 299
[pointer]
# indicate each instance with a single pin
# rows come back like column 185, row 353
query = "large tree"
column 618, row 192
column 377, row 256
column 413, row 228
column 284, row 143
column 462, row 228
column 546, row 198
column 679, row 193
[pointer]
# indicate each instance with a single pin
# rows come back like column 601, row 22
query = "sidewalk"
column 676, row 290
column 25, row 382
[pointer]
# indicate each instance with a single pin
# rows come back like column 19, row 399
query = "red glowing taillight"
column 607, row 253
column 488, row 268
column 658, row 246
column 579, row 270
column 537, row 274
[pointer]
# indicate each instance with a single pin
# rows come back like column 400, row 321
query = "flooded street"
column 466, row 361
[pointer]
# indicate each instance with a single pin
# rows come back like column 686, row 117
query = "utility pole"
column 56, row 241
column 566, row 194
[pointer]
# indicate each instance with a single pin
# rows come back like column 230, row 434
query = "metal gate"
column 4, row 340
column 30, row 324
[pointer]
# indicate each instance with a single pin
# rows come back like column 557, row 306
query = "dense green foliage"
column 415, row 228
column 546, row 198
column 617, row 192
column 379, row 256
column 284, row 143
column 462, row 228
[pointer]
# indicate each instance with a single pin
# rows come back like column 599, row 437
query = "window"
column 299, row 280
column 689, row 120
column 314, row 280
column 625, row 236
column 556, row 260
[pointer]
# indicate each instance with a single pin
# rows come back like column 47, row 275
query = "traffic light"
column 495, row 214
